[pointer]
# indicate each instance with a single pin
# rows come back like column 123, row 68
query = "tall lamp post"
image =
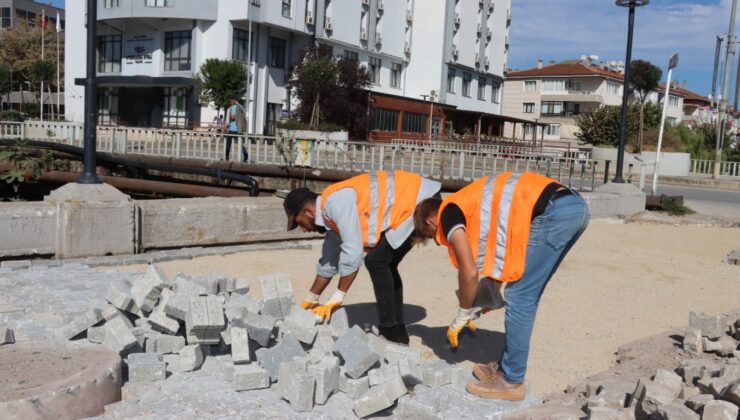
column 672, row 63
column 91, row 97
column 632, row 4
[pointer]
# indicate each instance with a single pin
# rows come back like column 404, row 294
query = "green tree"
column 42, row 71
column 601, row 127
column 644, row 78
column 219, row 80
column 4, row 82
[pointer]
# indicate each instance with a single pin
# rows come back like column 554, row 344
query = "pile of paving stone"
column 161, row 326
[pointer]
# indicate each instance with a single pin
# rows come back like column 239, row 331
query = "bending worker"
column 370, row 211
column 514, row 229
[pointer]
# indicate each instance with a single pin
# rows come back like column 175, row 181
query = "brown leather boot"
column 486, row 372
column 498, row 389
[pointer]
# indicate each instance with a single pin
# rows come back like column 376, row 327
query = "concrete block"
column 674, row 411
column 693, row 369
column 241, row 287
column 81, row 323
column 249, row 377
column 146, row 367
column 669, row 379
column 355, row 351
column 323, row 343
column 692, row 342
column 437, row 373
column 715, row 386
column 178, row 305
column 731, row 371
column 164, row 344
column 94, row 335
column 326, row 373
column 339, row 322
column 383, row 374
column 712, row 327
column 379, row 398
column 353, row 387
column 210, row 283
column 651, row 395
column 238, row 306
column 184, row 284
column 302, row 324
column 259, row 327
column 226, row 335
column 394, row 353
column 27, row 228
column 239, row 345
column 118, row 334
column 159, row 320
column 720, row 410
column 277, row 295
column 462, row 375
column 697, row 402
column 630, row 198
column 287, row 349
column 724, row 346
column 731, row 393
column 146, row 289
column 378, row 344
column 123, row 301
column 191, row 357
column 296, row 385
column 6, row 335
column 688, row 392
column 205, row 320
column 411, row 372
column 611, row 394
column 609, row 413
column 411, row 408
column 110, row 311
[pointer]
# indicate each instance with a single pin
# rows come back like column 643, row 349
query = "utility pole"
column 717, row 49
column 91, row 98
column 729, row 53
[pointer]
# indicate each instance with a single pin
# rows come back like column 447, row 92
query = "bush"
column 11, row 115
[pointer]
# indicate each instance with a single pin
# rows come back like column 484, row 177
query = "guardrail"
column 430, row 160
column 706, row 167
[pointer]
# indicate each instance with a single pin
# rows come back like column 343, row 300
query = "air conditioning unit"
column 378, row 38
column 409, row 15
column 309, row 18
column 407, row 48
column 363, row 35
column 327, row 24
column 380, row 4
column 457, row 19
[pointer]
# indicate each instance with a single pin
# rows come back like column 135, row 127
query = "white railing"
column 706, row 167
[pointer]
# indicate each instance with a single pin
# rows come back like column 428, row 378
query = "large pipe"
column 91, row 96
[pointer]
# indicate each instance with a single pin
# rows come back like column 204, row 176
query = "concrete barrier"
column 27, row 228
column 671, row 164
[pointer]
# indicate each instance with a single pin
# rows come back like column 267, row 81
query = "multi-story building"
column 555, row 94
column 452, row 52
column 13, row 12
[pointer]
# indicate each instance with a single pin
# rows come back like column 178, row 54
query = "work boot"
column 395, row 334
column 486, row 372
column 498, row 389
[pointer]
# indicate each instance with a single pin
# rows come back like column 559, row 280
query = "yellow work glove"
column 326, row 310
column 462, row 320
column 312, row 301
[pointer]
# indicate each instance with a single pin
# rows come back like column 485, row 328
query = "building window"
column 109, row 54
column 286, row 8
column 373, row 68
column 395, row 75
column 158, row 3
column 530, row 86
column 414, row 123
column 5, row 19
column 528, row 129
column 451, row 80
column 177, row 51
column 528, row 107
column 175, row 113
column 672, row 120
column 495, row 91
column 551, row 108
column 350, row 55
column 240, row 45
column 467, row 77
column 552, row 130
column 273, row 111
column 482, row 88
column 575, row 85
column 385, row 120
column 277, row 52
column 612, row 87
column 553, row 85
column 672, row 101
column 109, row 4
column 107, row 106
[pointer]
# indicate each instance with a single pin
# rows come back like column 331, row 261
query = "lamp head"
column 635, row 3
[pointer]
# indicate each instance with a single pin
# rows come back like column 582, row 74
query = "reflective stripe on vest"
column 372, row 220
column 390, row 196
column 504, row 210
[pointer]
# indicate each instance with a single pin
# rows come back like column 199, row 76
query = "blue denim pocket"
column 567, row 218
column 538, row 230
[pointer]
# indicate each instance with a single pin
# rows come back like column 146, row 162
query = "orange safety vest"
column 384, row 200
column 498, row 214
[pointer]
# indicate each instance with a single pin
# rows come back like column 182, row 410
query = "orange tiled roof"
column 567, row 69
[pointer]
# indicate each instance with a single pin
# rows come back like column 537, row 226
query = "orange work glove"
column 326, row 310
column 462, row 320
column 312, row 301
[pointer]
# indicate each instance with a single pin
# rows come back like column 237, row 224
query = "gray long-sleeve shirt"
column 343, row 254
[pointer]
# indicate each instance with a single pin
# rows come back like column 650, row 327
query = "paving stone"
column 378, row 344
column 411, row 372
column 323, row 343
column 271, row 358
column 692, row 342
column 302, row 324
column 353, row 387
column 238, row 306
column 697, row 402
column 612, row 394
column 718, row 385
column 651, row 395
column 191, row 357
column 159, row 320
column 146, row 289
column 326, row 373
column 123, row 301
column 205, row 320
column 339, row 322
column 277, row 295
column 209, row 283
column 734, row 257
column 226, row 335
column 437, row 373
column 379, row 397
column 81, row 323
column 94, row 335
column 674, row 411
column 296, row 385
column 396, row 352
column 165, row 344
column 383, row 374
column 185, row 285
column 241, row 287
column 145, row 367
column 669, row 379
column 609, row 413
column 688, row 392
column 249, row 377
column 355, row 351
column 259, row 327
column 693, row 369
column 731, row 393
column 118, row 334
column 178, row 305
column 6, row 335
column 239, row 345
column 712, row 327
column 720, row 410
column 425, row 403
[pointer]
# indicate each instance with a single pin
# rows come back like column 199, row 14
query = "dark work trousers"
column 382, row 263
column 235, row 139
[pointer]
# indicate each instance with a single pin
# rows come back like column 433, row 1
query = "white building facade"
column 150, row 50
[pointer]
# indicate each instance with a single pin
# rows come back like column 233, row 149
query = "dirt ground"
column 621, row 282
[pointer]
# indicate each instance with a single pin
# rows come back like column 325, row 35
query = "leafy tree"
column 218, row 80
column 4, row 81
column 332, row 90
column 601, row 127
column 644, row 78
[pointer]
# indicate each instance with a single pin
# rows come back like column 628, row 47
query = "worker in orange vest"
column 514, row 230
column 373, row 212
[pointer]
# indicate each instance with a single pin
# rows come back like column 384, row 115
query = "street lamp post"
column 89, row 176
column 424, row 98
column 672, row 63
column 632, row 4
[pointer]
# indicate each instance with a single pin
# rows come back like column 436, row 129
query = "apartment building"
column 14, row 11
column 149, row 51
column 555, row 94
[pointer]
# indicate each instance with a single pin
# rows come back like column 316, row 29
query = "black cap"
column 294, row 202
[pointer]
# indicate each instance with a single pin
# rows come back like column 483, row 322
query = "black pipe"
column 91, row 97
column 252, row 183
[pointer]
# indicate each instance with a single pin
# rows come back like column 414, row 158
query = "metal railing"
column 442, row 161
column 706, row 167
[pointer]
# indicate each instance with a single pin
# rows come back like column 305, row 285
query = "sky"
column 662, row 28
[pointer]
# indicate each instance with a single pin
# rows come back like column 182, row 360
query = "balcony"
column 573, row 96
column 160, row 9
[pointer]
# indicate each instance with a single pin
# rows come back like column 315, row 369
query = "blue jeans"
column 229, row 139
column 551, row 236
